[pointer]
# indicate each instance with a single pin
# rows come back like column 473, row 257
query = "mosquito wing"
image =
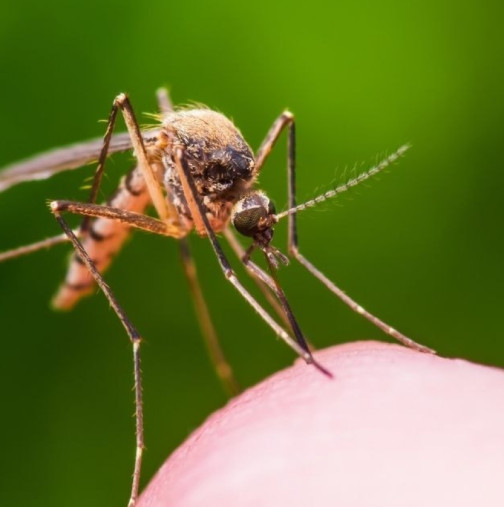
column 52, row 162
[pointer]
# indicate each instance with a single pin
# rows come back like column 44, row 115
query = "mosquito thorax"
column 254, row 216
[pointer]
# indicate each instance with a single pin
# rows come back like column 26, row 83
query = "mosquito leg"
column 221, row 365
column 288, row 120
column 100, row 168
column 265, row 286
column 101, row 243
column 272, row 282
column 139, row 188
column 165, row 210
column 135, row 340
column 197, row 210
column 137, row 220
column 261, row 278
column 33, row 247
column 356, row 307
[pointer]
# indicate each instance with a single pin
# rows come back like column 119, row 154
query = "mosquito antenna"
column 349, row 184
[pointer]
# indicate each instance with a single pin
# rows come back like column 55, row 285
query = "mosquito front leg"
column 287, row 119
column 164, row 208
column 135, row 340
column 197, row 210
column 264, row 287
column 264, row 281
column 136, row 220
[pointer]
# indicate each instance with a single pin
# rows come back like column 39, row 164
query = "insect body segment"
column 102, row 239
column 198, row 173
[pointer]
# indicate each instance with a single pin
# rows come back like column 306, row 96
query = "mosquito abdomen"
column 102, row 240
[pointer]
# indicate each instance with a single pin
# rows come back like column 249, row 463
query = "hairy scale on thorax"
column 220, row 161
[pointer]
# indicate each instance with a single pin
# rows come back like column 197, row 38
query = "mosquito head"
column 254, row 216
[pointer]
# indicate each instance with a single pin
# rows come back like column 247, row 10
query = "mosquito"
column 198, row 173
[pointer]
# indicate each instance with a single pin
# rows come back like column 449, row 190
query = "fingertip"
column 394, row 427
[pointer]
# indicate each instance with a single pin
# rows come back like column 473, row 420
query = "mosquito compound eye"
column 252, row 214
column 247, row 221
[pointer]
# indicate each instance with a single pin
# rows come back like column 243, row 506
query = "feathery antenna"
column 349, row 184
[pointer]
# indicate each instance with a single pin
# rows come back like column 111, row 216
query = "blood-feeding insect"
column 198, row 173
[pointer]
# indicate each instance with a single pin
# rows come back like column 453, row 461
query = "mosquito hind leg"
column 293, row 248
column 135, row 340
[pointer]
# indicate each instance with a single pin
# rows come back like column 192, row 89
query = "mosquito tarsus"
column 198, row 173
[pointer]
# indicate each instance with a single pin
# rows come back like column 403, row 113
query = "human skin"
column 394, row 427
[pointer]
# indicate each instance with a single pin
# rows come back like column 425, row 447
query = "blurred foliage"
column 421, row 246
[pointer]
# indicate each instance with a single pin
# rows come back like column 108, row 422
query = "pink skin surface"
column 393, row 428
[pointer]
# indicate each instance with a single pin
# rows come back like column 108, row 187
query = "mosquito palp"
column 199, row 174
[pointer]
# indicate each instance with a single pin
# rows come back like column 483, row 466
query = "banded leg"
column 287, row 120
column 221, row 365
column 198, row 211
column 135, row 340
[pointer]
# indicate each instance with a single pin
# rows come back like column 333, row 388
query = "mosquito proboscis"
column 198, row 173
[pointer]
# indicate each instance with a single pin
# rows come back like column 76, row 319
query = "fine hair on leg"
column 135, row 340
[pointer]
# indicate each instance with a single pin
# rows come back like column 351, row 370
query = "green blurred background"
column 421, row 246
